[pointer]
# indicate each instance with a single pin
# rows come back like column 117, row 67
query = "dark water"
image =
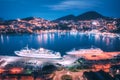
column 57, row 42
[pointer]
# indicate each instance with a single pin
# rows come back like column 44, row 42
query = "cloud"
column 74, row 4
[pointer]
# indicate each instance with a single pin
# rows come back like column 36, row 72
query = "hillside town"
column 28, row 25
column 83, row 23
column 87, row 25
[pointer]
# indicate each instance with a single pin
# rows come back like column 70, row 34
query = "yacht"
column 38, row 53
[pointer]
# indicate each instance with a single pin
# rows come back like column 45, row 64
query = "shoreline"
column 52, row 31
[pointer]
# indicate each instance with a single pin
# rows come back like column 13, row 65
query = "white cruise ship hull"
column 37, row 55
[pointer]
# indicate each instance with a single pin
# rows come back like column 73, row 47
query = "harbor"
column 59, row 40
column 58, row 55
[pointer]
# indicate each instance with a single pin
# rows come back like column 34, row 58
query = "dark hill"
column 90, row 15
column 28, row 18
column 68, row 17
column 85, row 16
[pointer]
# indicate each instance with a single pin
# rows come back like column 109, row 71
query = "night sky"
column 52, row 9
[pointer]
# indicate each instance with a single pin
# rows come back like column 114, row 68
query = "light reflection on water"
column 57, row 42
column 2, row 40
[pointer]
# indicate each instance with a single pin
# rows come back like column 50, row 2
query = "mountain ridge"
column 84, row 16
column 67, row 17
column 89, row 15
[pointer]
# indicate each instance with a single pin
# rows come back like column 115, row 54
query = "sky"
column 53, row 9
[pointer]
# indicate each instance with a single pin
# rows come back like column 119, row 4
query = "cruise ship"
column 85, row 51
column 38, row 53
column 93, row 54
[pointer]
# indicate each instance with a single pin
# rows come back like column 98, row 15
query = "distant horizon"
column 51, row 10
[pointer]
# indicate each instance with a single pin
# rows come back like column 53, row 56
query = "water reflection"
column 39, row 38
column 7, row 37
column 107, row 41
column 45, row 38
column 2, row 40
column 58, row 41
